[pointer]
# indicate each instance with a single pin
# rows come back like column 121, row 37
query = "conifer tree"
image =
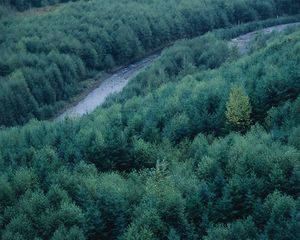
column 238, row 109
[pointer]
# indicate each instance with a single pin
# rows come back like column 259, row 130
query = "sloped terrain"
column 46, row 58
column 170, row 161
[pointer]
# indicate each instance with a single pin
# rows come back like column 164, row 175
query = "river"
column 112, row 84
column 119, row 80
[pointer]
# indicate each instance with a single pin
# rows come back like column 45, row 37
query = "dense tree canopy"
column 22, row 5
column 158, row 161
column 56, row 50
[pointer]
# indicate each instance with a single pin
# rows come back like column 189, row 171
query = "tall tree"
column 238, row 112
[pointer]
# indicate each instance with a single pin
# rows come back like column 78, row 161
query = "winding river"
column 119, row 79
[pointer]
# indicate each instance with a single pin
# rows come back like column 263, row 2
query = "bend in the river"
column 119, row 80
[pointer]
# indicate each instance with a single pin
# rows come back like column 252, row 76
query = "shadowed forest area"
column 203, row 144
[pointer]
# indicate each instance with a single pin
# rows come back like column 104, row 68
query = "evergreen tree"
column 238, row 109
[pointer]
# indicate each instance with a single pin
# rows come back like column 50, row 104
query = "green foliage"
column 143, row 234
column 238, row 109
column 240, row 230
column 64, row 234
column 16, row 99
column 55, row 55
column 22, row 5
column 160, row 164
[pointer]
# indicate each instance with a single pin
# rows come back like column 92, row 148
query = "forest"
column 46, row 57
column 22, row 5
column 202, row 144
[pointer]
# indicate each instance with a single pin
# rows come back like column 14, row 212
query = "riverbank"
column 114, row 82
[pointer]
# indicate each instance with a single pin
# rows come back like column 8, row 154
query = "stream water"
column 119, row 80
column 112, row 84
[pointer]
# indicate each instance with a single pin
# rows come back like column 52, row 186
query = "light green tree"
column 238, row 109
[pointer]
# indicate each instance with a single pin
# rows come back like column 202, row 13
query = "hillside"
column 204, row 144
column 200, row 139
column 47, row 57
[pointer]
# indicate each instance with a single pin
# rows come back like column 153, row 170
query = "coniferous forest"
column 46, row 56
column 202, row 144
